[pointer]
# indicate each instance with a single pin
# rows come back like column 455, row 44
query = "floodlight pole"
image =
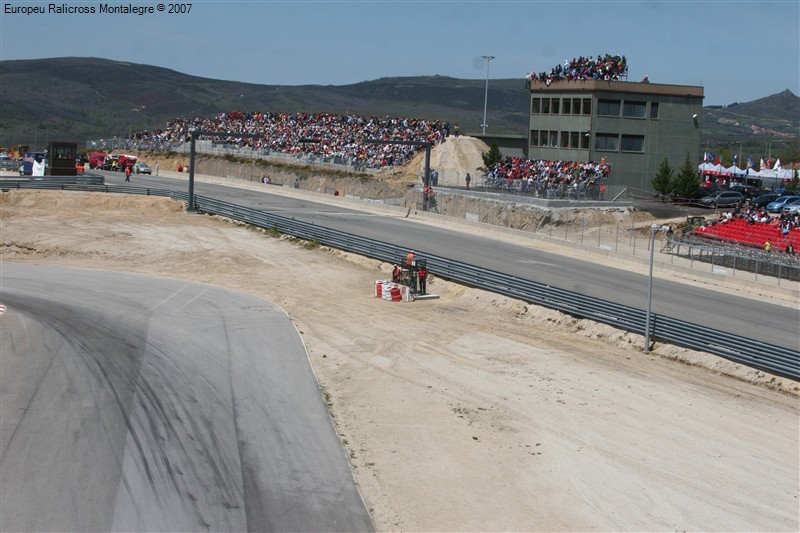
column 192, row 143
column 427, row 179
column 486, row 95
column 193, row 135
column 653, row 228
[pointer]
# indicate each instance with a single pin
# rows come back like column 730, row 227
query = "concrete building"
column 634, row 126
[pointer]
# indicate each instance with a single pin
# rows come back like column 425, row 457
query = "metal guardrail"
column 749, row 352
column 58, row 185
column 80, row 179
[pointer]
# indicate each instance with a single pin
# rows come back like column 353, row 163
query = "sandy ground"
column 471, row 412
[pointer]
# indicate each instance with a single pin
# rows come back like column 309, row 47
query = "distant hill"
column 776, row 116
column 89, row 98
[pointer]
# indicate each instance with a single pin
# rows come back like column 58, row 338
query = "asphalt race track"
column 761, row 320
column 143, row 404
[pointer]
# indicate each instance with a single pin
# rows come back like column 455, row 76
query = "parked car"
column 792, row 208
column 712, row 187
column 7, row 163
column 694, row 196
column 764, row 199
column 722, row 199
column 141, row 168
column 748, row 191
column 778, row 205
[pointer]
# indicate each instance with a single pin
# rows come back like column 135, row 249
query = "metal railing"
column 719, row 253
column 749, row 352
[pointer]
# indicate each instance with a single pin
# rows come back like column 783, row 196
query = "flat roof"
column 617, row 86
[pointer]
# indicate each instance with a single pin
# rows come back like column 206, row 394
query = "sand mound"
column 453, row 159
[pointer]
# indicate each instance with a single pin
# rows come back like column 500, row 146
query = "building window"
column 554, row 139
column 543, row 138
column 555, row 106
column 536, row 106
column 564, row 139
column 587, row 106
column 633, row 143
column 534, row 137
column 608, row 108
column 606, row 141
column 567, row 106
column 654, row 110
column 63, row 152
column 634, row 109
column 545, row 106
column 573, row 139
column 585, row 138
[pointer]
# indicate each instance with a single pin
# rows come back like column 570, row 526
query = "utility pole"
column 739, row 159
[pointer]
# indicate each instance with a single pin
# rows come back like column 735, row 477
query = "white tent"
column 733, row 170
column 712, row 169
column 774, row 178
column 770, row 177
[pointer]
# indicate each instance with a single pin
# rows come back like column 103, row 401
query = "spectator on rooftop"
column 606, row 67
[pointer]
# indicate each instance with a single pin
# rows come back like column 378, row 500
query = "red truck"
column 126, row 161
column 97, row 159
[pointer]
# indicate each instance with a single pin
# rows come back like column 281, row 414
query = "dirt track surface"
column 471, row 412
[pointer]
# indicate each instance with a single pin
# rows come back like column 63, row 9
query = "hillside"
column 776, row 116
column 89, row 98
column 79, row 98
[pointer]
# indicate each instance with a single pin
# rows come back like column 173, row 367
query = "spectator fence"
column 721, row 256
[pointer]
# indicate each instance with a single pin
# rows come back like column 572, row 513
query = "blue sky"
column 738, row 50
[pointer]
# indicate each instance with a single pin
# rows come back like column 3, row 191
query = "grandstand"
column 739, row 230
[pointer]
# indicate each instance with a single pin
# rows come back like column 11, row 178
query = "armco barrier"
column 16, row 182
column 749, row 352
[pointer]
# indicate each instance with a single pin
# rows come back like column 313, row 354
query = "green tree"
column 795, row 181
column 726, row 159
column 662, row 182
column 492, row 156
column 687, row 181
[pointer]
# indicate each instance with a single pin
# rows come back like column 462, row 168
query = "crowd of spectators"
column 606, row 67
column 313, row 135
column 550, row 179
column 753, row 215
column 781, row 231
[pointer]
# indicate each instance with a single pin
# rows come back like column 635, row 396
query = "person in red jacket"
column 397, row 274
column 127, row 173
column 422, row 276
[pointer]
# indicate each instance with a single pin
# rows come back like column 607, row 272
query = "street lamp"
column 486, row 96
